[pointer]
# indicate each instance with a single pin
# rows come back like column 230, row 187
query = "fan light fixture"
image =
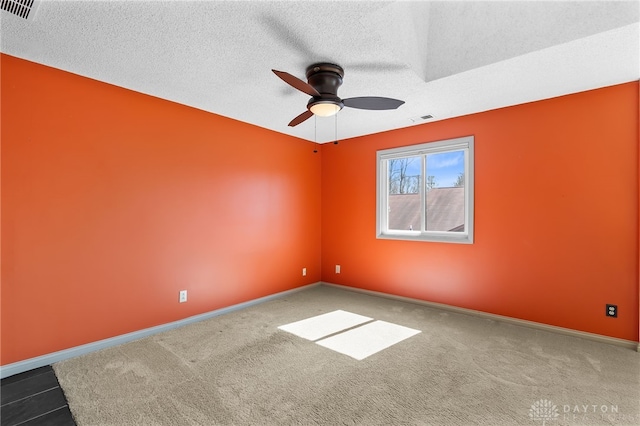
column 323, row 81
column 325, row 109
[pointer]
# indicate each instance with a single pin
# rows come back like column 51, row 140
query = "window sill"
column 417, row 236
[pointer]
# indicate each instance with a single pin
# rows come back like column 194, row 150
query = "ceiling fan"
column 323, row 81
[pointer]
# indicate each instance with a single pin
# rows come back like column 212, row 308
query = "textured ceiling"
column 443, row 58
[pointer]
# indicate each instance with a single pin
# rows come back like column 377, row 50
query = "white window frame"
column 465, row 144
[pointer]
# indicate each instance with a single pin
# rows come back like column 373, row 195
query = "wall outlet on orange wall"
column 304, row 272
column 183, row 296
column 612, row 311
column 337, row 269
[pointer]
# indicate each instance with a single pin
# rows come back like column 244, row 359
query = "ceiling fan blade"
column 297, row 83
column 299, row 119
column 372, row 102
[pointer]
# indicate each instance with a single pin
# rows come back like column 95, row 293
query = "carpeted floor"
column 240, row 369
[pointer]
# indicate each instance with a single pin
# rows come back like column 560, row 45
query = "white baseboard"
column 531, row 324
column 48, row 359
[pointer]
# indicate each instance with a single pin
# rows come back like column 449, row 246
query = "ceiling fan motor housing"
column 326, row 79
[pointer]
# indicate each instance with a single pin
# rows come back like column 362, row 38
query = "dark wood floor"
column 34, row 398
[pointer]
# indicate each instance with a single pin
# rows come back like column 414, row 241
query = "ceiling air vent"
column 421, row 118
column 25, row 9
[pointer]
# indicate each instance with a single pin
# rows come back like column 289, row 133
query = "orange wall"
column 113, row 201
column 556, row 215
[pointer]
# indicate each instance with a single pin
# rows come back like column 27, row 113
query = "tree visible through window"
column 425, row 191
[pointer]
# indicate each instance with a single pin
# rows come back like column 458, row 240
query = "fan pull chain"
column 315, row 131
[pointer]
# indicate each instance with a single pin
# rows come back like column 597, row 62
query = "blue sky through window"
column 444, row 166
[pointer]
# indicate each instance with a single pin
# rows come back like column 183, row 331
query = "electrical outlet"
column 304, row 272
column 183, row 296
column 612, row 311
column 337, row 269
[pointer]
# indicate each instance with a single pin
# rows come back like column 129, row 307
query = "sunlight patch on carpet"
column 368, row 339
column 320, row 326
column 350, row 334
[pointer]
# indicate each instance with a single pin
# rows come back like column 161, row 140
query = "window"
column 425, row 192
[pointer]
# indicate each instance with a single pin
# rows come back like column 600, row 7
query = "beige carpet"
column 240, row 369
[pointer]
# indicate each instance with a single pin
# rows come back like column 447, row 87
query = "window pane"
column 425, row 191
column 444, row 189
column 404, row 193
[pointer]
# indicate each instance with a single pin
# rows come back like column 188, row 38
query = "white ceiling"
column 443, row 58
